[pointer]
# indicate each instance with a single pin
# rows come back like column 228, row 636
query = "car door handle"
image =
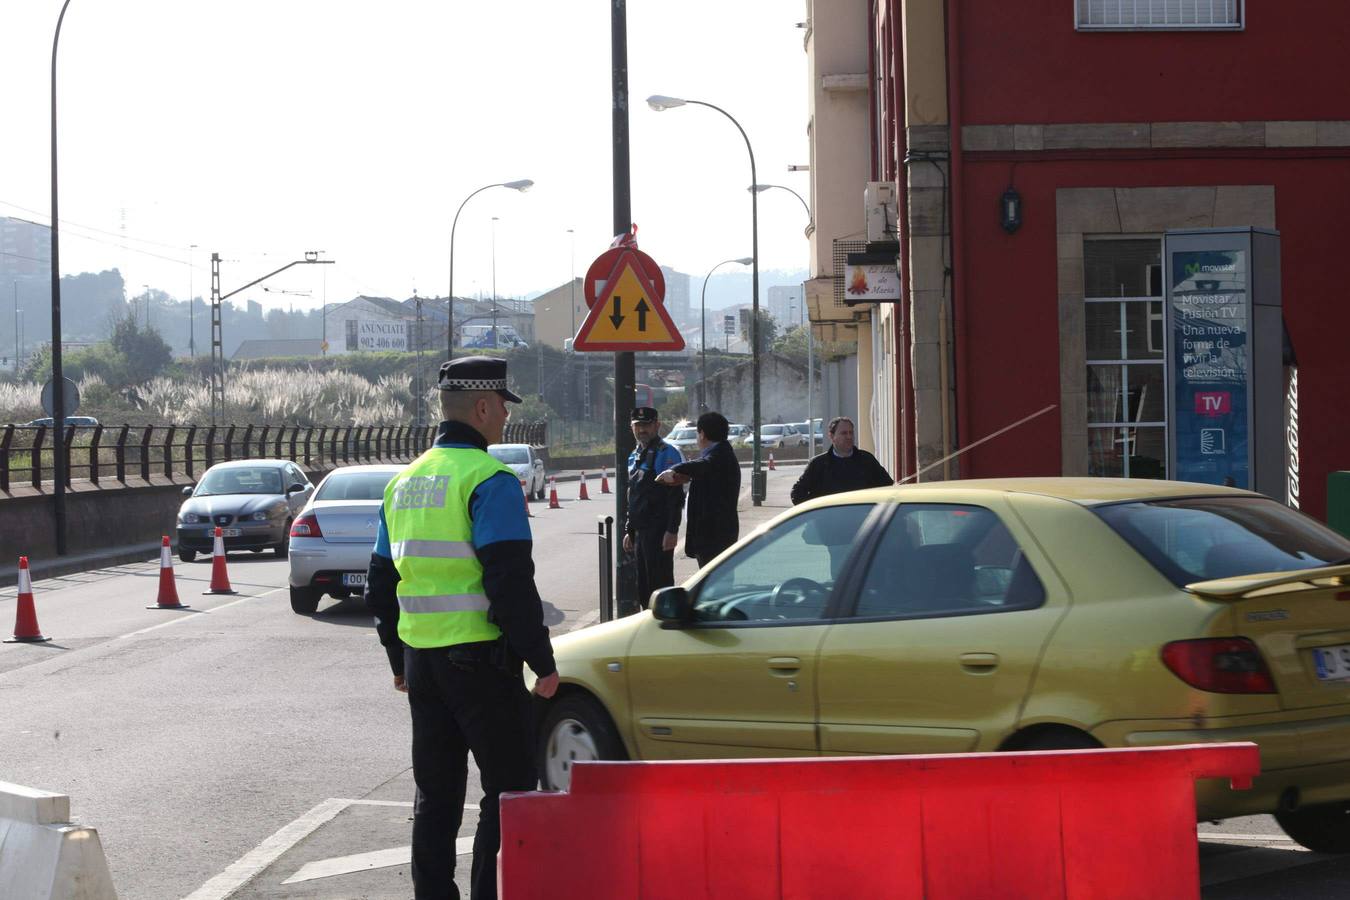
column 785, row 665
column 979, row 663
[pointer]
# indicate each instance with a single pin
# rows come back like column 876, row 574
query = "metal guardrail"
column 115, row 452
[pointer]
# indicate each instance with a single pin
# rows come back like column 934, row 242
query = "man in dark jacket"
column 843, row 467
column 712, row 524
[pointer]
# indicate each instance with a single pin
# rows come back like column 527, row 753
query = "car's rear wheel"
column 186, row 555
column 304, row 600
column 1322, row 828
column 1054, row 738
column 575, row 729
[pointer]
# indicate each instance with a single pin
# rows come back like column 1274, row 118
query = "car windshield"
column 1197, row 539
column 354, row 486
column 512, row 456
column 771, row 429
column 684, row 434
column 240, row 480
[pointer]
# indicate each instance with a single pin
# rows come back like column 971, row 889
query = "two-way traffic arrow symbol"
column 642, row 313
column 617, row 317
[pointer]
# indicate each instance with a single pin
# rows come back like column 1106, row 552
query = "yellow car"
column 1015, row 614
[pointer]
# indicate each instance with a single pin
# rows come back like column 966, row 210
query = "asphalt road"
column 239, row 750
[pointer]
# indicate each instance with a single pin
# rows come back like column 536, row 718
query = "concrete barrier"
column 42, row 855
column 1048, row 825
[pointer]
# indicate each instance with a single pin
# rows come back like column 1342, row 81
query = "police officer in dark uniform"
column 451, row 585
column 654, row 510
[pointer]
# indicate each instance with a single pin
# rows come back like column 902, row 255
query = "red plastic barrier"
column 1065, row 824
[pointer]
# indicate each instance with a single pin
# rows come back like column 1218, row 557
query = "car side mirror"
column 187, row 491
column 295, row 488
column 672, row 605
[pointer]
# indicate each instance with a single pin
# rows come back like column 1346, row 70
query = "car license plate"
column 231, row 532
column 1333, row 663
column 353, row 579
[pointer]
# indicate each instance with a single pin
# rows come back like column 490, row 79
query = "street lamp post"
column 757, row 485
column 703, row 331
column 192, row 305
column 522, row 185
column 810, row 332
column 59, row 461
column 496, row 341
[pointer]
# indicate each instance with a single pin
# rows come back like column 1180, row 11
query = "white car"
column 684, row 440
column 776, row 437
column 332, row 538
column 526, row 463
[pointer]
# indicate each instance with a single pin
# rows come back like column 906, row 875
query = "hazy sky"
column 263, row 128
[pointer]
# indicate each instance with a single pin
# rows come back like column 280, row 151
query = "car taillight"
column 1220, row 665
column 306, row 526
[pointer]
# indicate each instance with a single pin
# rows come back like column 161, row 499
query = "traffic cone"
column 553, row 494
column 582, row 494
column 168, row 591
column 771, row 465
column 525, row 495
column 604, row 481
column 25, row 615
column 220, row 581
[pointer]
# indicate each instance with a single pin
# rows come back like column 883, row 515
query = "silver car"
column 334, row 535
column 684, row 440
column 252, row 501
column 526, row 463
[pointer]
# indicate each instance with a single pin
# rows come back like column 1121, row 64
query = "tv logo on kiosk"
column 1213, row 403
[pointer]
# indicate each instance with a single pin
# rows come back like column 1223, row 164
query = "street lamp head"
column 659, row 103
column 759, row 188
column 311, row 255
column 744, row 260
column 523, row 185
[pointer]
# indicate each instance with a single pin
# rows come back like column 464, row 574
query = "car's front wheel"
column 1322, row 828
column 283, row 549
column 575, row 729
column 304, row 600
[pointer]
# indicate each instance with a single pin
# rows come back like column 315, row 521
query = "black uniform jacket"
column 713, row 525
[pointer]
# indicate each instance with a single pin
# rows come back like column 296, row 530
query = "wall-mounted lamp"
column 1010, row 210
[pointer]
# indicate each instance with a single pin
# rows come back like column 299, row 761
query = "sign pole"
column 625, row 364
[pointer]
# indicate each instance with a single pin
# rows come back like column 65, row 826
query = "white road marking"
column 194, row 614
column 1230, row 836
column 250, row 864
column 364, row 862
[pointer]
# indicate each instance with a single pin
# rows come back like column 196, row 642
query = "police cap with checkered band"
column 475, row 373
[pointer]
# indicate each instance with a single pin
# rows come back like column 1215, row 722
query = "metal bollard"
column 605, row 532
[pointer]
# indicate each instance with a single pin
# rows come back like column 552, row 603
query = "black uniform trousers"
column 655, row 567
column 458, row 708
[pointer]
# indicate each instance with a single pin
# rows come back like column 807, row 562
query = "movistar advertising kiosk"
column 1225, row 363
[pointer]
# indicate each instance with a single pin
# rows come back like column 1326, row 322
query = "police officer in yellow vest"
column 451, row 585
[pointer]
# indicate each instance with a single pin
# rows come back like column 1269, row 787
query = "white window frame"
column 1126, row 364
column 1079, row 25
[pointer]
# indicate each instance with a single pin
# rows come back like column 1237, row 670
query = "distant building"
column 25, row 252
column 556, row 310
column 367, row 324
column 677, row 298
column 785, row 305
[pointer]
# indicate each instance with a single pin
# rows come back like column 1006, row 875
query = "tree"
column 142, row 353
column 768, row 330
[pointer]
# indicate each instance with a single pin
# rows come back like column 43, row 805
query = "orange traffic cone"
column 604, row 481
column 525, row 495
column 168, row 591
column 771, row 465
column 553, row 494
column 220, row 581
column 25, row 616
column 583, row 494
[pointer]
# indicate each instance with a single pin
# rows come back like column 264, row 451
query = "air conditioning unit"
column 880, row 208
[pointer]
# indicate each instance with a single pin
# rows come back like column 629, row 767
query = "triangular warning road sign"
column 628, row 315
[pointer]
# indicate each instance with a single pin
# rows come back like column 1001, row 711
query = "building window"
column 1126, row 376
column 1168, row 15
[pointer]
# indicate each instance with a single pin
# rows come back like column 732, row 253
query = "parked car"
column 526, row 463
column 332, row 538
column 775, row 437
column 737, row 433
column 684, row 440
column 252, row 501
column 1050, row 613
column 77, row 421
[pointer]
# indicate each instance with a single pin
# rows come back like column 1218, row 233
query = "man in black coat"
column 712, row 524
column 843, row 467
